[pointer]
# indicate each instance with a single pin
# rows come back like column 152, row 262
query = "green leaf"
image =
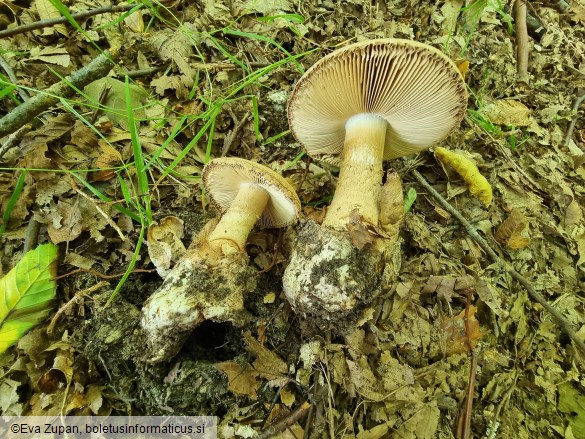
column 409, row 199
column 26, row 293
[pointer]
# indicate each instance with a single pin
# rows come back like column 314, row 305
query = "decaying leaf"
column 513, row 232
column 507, row 112
column 446, row 286
column 164, row 243
column 391, row 205
column 242, row 378
column 478, row 184
column 360, row 233
column 111, row 93
column 267, row 364
column 573, row 214
column 51, row 55
column 462, row 331
column 26, row 293
column 363, row 379
column 66, row 222
column 47, row 10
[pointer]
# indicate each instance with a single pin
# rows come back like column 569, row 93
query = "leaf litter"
column 402, row 370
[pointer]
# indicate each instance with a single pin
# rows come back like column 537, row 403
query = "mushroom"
column 208, row 283
column 358, row 106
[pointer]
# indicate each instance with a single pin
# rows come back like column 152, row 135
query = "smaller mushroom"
column 210, row 281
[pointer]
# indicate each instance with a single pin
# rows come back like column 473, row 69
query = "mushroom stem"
column 360, row 174
column 232, row 231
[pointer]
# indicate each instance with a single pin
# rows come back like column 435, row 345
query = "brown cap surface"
column 413, row 86
column 222, row 178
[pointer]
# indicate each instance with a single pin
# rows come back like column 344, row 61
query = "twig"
column 26, row 112
column 464, row 421
column 521, row 41
column 13, row 139
column 238, row 124
column 32, row 235
column 283, row 424
column 103, row 276
column 72, row 302
column 50, row 22
column 103, row 214
column 559, row 319
column 576, row 106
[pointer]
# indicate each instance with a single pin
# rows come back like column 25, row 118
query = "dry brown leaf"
column 360, row 233
column 65, row 222
column 446, row 286
column 135, row 21
column 508, row 112
column 267, row 364
column 457, row 338
column 391, row 205
column 242, row 379
column 363, row 379
column 51, row 55
column 47, row 10
column 573, row 214
column 513, row 232
column 164, row 243
column 108, row 158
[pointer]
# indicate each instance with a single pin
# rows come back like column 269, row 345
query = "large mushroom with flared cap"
column 210, row 281
column 360, row 105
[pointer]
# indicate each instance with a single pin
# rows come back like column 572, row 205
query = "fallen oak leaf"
column 513, row 232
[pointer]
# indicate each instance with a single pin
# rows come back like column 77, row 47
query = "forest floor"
column 456, row 347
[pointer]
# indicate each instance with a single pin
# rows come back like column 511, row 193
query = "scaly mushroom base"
column 204, row 285
column 328, row 277
column 192, row 293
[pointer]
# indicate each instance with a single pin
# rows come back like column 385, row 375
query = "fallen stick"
column 576, row 106
column 287, row 422
column 50, row 22
column 521, row 41
column 559, row 319
column 45, row 99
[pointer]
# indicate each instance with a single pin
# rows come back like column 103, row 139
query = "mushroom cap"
column 222, row 178
column 413, row 86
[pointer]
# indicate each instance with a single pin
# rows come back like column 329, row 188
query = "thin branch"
column 102, row 276
column 27, row 111
column 576, row 106
column 558, row 318
column 521, row 41
column 283, row 424
column 73, row 301
column 13, row 139
column 50, row 22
